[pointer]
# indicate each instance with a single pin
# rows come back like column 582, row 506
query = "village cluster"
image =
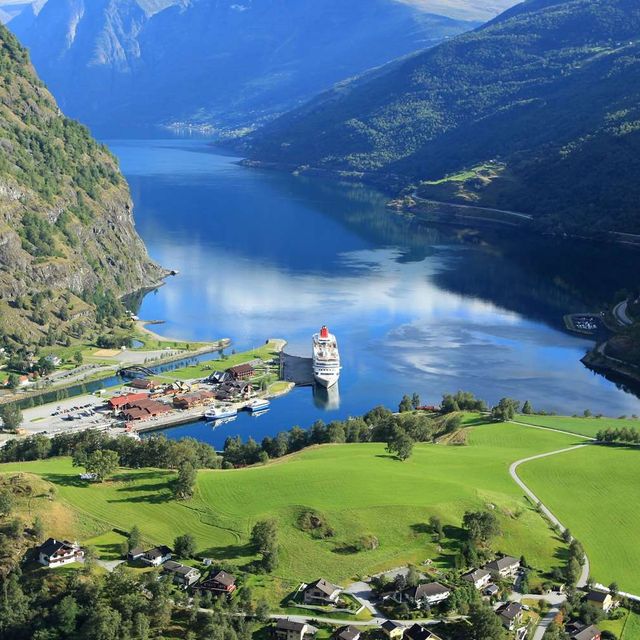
column 321, row 596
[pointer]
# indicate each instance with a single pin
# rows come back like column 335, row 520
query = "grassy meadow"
column 358, row 489
column 594, row 492
column 582, row 426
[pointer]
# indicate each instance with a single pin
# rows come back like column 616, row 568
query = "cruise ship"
column 326, row 358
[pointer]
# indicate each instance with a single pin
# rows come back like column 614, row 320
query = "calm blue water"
column 263, row 254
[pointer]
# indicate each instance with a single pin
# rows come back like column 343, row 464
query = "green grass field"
column 584, row 426
column 358, row 488
column 625, row 628
column 594, row 492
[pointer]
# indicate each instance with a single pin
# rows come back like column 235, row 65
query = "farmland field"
column 358, row 489
column 594, row 492
column 583, row 426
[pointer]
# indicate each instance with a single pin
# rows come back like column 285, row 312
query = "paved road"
column 621, row 315
column 513, row 471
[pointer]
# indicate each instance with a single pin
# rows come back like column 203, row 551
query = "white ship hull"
column 326, row 358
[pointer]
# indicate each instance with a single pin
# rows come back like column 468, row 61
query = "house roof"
column 588, row 633
column 323, row 585
column 348, row 633
column 290, row 625
column 224, row 578
column 491, row 589
column 501, row 563
column 597, row 596
column 475, row 575
column 240, row 369
column 428, row 590
column 176, row 567
column 136, row 551
column 51, row 546
column 158, row 552
column 390, row 625
column 418, row 632
column 510, row 610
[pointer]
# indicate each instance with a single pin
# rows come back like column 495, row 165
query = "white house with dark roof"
column 157, row 556
column 600, row 599
column 393, row 630
column 510, row 615
column 181, row 574
column 505, row 567
column 427, row 594
column 286, row 629
column 583, row 632
column 321, row 592
column 56, row 553
column 479, row 578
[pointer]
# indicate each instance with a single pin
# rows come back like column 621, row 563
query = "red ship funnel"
column 324, row 332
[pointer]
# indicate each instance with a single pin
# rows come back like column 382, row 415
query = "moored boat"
column 259, row 404
column 326, row 358
column 217, row 413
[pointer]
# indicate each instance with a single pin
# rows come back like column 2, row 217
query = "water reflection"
column 327, row 399
column 415, row 308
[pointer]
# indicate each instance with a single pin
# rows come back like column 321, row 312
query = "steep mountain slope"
column 223, row 62
column 68, row 246
column 537, row 111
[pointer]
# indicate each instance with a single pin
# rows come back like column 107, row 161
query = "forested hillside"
column 68, row 246
column 537, row 111
column 217, row 63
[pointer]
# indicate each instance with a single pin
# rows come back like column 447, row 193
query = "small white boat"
column 259, row 404
column 219, row 422
column 217, row 413
column 257, row 414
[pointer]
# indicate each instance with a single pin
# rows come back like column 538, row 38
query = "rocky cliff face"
column 67, row 236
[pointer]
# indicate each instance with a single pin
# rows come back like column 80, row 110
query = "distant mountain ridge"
column 221, row 62
column 537, row 111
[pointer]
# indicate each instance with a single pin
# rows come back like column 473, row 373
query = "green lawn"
column 594, row 492
column 358, row 488
column 625, row 628
column 583, row 426
column 203, row 369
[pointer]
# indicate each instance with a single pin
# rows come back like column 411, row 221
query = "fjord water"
column 264, row 254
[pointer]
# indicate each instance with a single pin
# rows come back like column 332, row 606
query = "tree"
column 65, row 613
column 435, row 526
column 185, row 546
column 405, row 404
column 400, row 443
column 102, row 463
column 415, row 400
column 566, row 536
column 6, row 503
column 13, row 381
column 77, row 357
column 186, row 481
column 264, row 537
column 413, row 576
column 527, row 409
column 262, row 610
column 135, row 538
column 614, row 589
column 485, row 624
column 38, row 528
column 505, row 410
column 11, row 417
column 480, row 525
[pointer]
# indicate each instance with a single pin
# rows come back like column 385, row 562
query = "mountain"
column 537, row 111
column 68, row 246
column 127, row 63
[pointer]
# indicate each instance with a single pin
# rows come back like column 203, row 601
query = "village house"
column 418, row 632
column 600, row 599
column 234, row 389
column 506, row 567
column 286, row 629
column 479, row 578
column 193, row 399
column 157, row 556
column 219, row 582
column 146, row 409
column 181, row 574
column 135, row 554
column 321, row 592
column 56, row 553
column 119, row 402
column 241, row 371
column 142, row 383
column 392, row 630
column 510, row 614
column 347, row 633
column 491, row 590
column 427, row 594
column 579, row 631
column 218, row 377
